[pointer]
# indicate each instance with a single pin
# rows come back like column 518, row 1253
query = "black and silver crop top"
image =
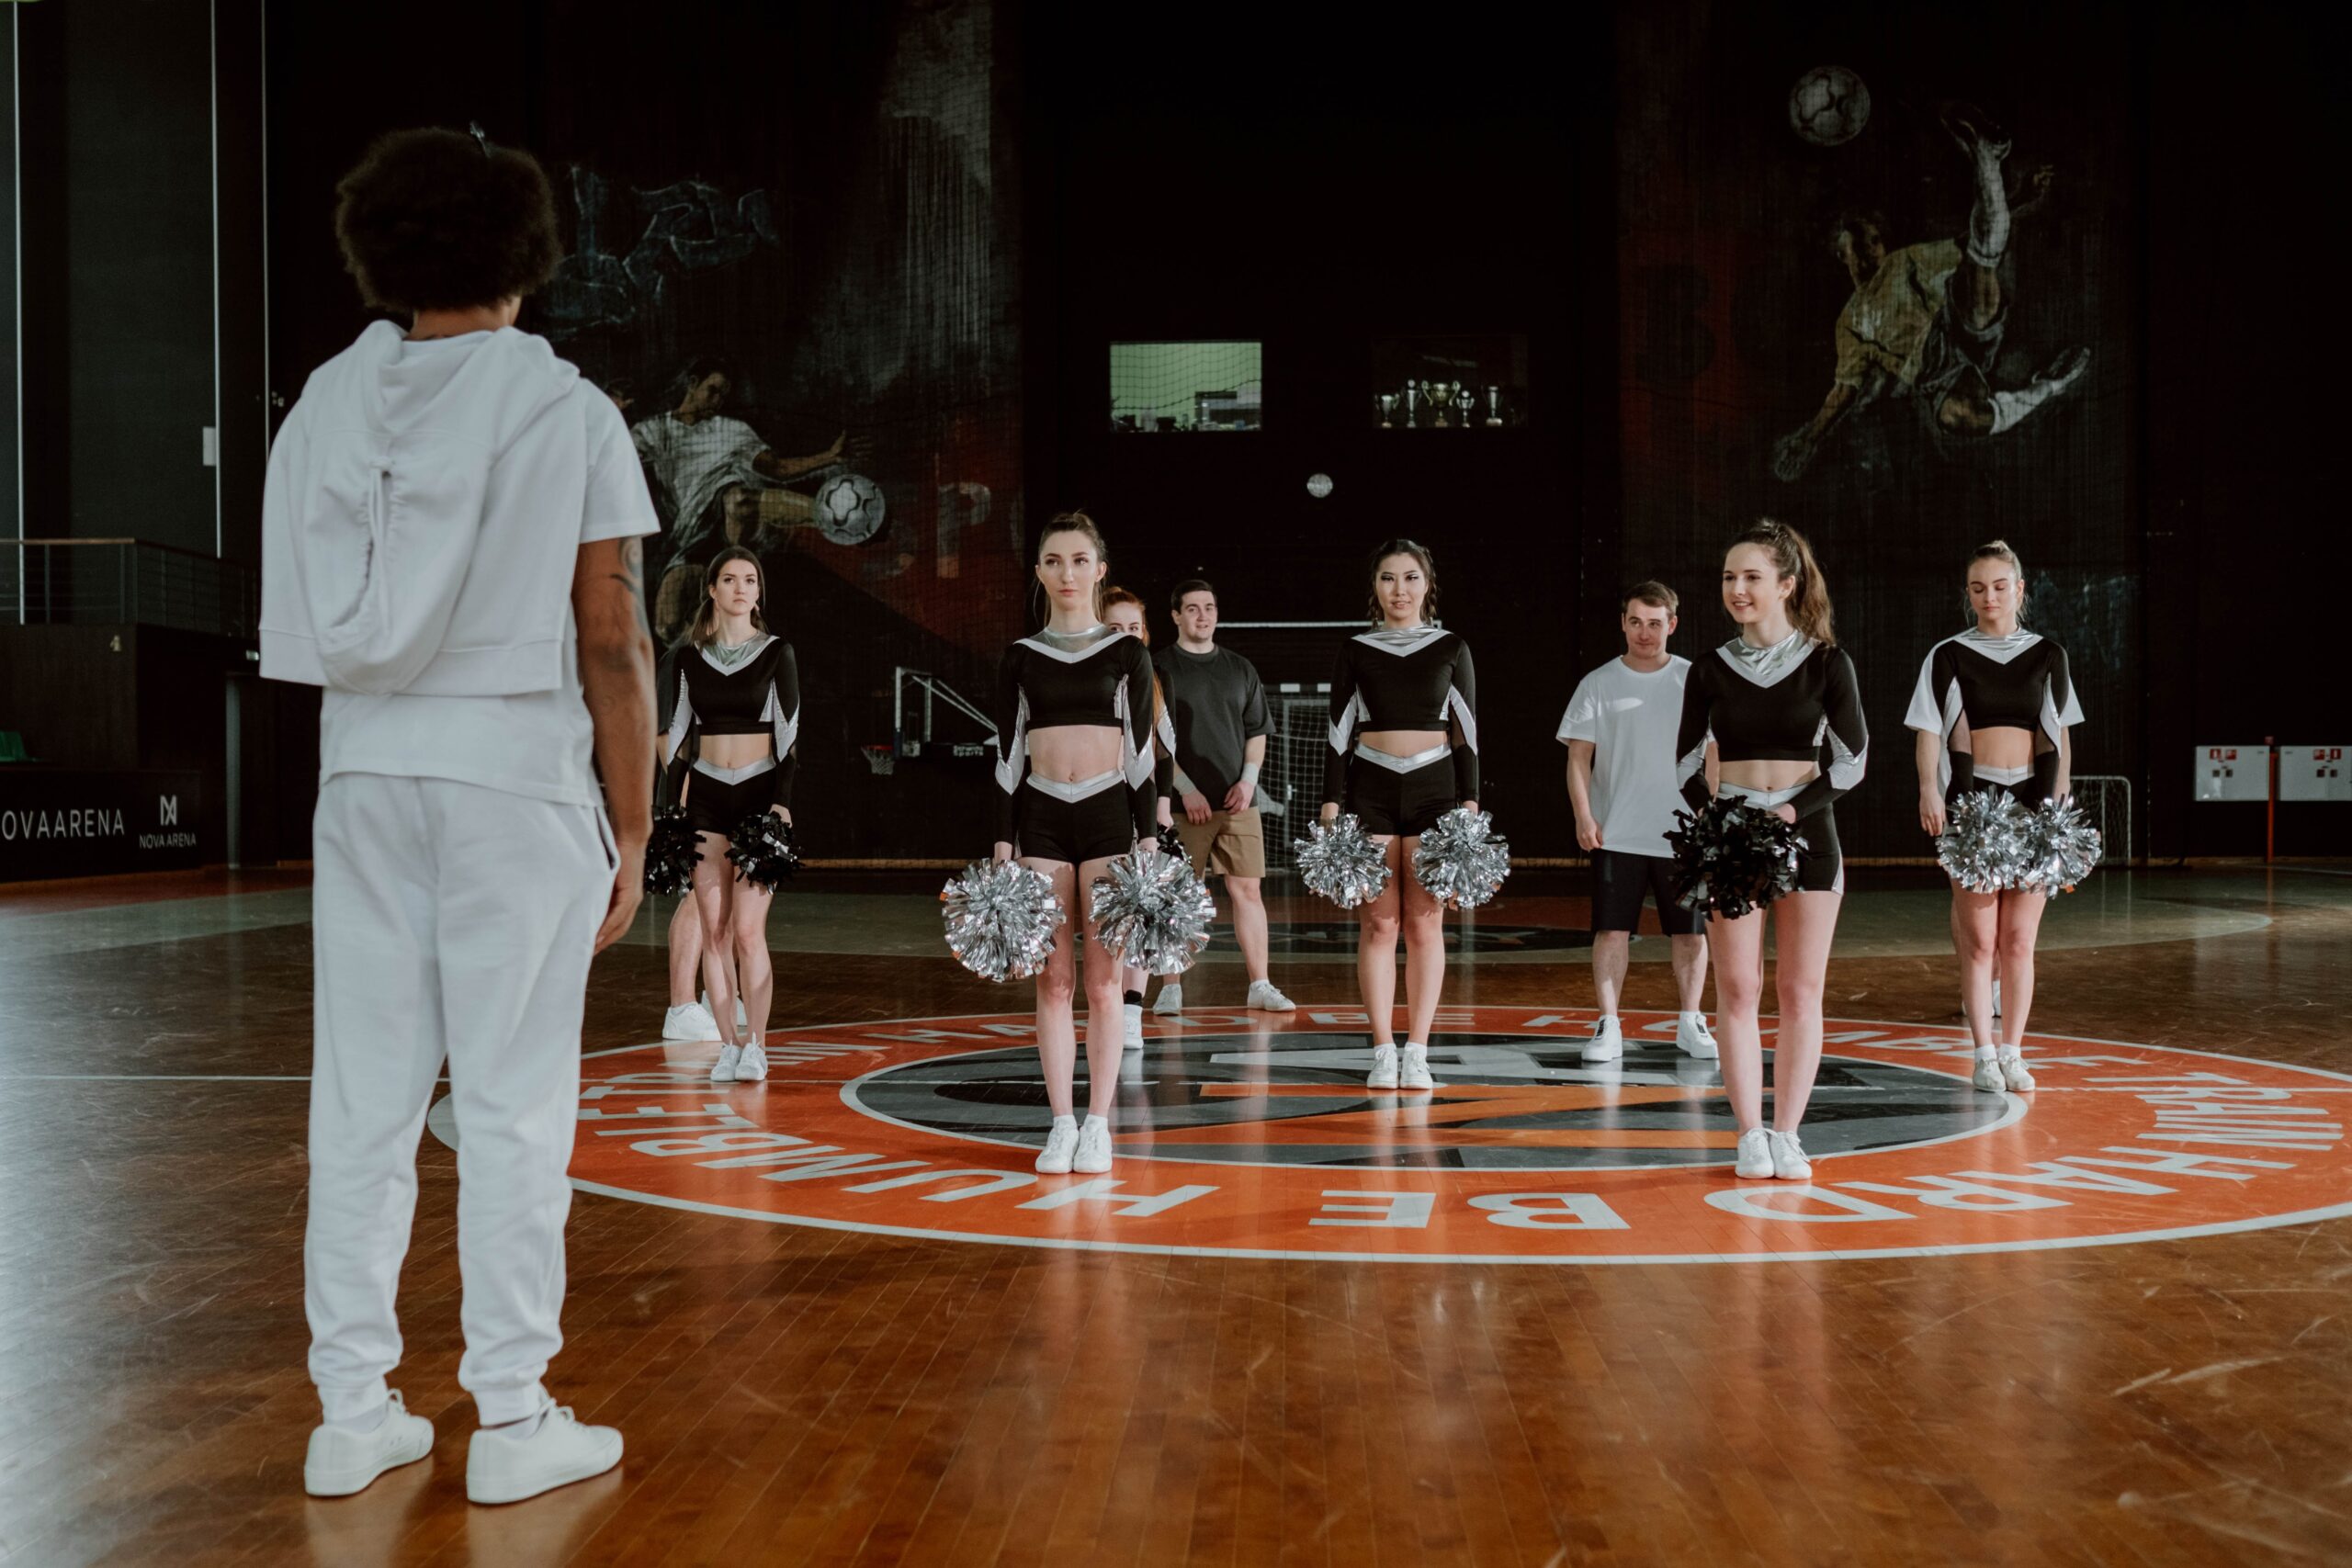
column 758, row 694
column 1420, row 679
column 1796, row 702
column 2018, row 682
column 1101, row 678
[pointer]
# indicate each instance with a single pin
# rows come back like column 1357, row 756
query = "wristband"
column 1184, row 783
column 1249, row 774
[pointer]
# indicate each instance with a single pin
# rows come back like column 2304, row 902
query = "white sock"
column 1094, row 1121
column 1694, row 1018
column 1985, row 1053
column 1415, row 1045
column 2011, row 1052
column 365, row 1424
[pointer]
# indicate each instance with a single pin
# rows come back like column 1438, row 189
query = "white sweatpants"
column 455, row 922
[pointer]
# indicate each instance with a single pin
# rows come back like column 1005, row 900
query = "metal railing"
column 125, row 582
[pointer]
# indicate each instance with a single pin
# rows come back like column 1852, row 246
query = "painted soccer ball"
column 1829, row 106
column 850, row 509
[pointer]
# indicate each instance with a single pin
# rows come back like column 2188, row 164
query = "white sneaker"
column 1169, row 1000
column 689, row 1021
column 1383, row 1068
column 753, row 1065
column 1061, row 1145
column 1264, row 997
column 1134, row 1025
column 723, row 1069
column 1694, row 1038
column 502, row 1468
column 1413, row 1072
column 341, row 1461
column 2013, row 1070
column 1754, row 1161
column 1788, row 1157
column 1988, row 1076
column 1093, row 1156
column 742, row 1018
column 1608, row 1041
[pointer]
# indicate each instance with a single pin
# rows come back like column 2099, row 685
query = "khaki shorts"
column 1231, row 843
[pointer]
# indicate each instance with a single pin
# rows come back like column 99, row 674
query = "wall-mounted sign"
column 59, row 823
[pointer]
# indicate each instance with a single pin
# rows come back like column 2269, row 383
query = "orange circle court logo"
column 1252, row 1134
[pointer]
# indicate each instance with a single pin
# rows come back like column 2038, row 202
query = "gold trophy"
column 1439, row 394
column 1387, row 401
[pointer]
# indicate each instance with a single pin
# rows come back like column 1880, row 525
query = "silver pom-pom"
column 1001, row 919
column 1460, row 860
column 1983, row 846
column 1338, row 860
column 1153, row 911
column 2062, row 847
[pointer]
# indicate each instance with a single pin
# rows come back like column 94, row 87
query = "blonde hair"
column 704, row 630
column 1809, row 608
column 1997, row 549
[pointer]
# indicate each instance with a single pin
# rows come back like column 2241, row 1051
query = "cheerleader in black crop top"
column 1796, row 702
column 1404, row 751
column 1782, row 705
column 2001, row 690
column 1077, row 784
column 733, row 747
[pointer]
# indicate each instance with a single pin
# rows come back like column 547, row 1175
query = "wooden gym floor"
column 1927, row 1367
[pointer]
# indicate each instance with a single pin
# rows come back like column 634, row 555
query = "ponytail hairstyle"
column 1078, row 522
column 1997, row 549
column 704, row 629
column 1809, row 609
column 1420, row 553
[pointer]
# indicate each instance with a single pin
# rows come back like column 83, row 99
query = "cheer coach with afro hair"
column 451, row 549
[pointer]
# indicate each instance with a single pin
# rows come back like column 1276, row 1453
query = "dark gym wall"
column 11, row 520
column 138, row 296
column 1318, row 189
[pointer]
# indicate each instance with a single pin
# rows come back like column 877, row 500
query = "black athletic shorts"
column 717, row 808
column 1619, row 882
column 1392, row 803
column 1046, row 827
column 1821, row 866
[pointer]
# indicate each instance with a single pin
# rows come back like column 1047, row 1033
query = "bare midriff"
column 1769, row 772
column 1067, row 754
column 736, row 750
column 2001, row 746
column 1403, row 742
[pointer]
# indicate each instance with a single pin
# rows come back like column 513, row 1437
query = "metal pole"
column 2270, row 808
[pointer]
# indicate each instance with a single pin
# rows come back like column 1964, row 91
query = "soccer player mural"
column 1925, row 322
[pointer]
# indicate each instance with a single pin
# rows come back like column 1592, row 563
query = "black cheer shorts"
column 1046, row 826
column 1391, row 804
column 715, row 806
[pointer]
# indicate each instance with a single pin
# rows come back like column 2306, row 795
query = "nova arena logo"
column 1247, row 1135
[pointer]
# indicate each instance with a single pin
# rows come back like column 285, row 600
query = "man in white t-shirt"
column 450, row 536
column 1619, row 730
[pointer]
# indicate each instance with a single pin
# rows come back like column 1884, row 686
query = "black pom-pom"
column 669, row 854
column 764, row 849
column 1732, row 859
column 1172, row 843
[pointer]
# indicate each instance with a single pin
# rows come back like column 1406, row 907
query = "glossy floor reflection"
column 1310, row 1324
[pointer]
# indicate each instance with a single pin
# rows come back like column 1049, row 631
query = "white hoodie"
column 424, row 515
